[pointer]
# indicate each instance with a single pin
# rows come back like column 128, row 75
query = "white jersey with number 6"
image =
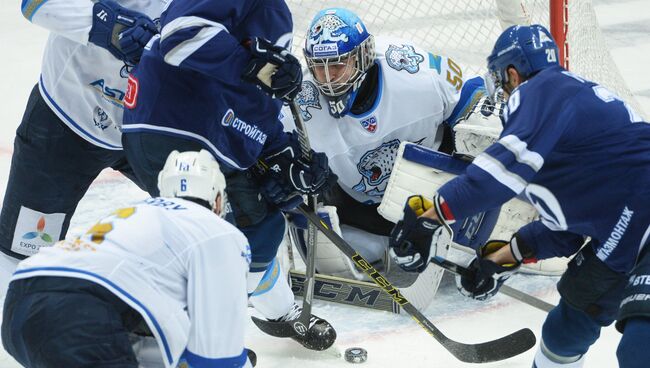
column 175, row 262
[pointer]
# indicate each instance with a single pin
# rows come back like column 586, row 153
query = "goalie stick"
column 300, row 325
column 369, row 295
column 490, row 351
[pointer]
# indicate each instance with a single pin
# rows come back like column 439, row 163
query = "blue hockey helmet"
column 528, row 49
column 339, row 51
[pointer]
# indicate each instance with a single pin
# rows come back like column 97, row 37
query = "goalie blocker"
column 421, row 170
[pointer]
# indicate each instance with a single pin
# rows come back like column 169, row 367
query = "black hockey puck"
column 356, row 355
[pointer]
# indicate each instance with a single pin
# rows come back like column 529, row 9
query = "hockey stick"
column 300, row 325
column 505, row 289
column 490, row 351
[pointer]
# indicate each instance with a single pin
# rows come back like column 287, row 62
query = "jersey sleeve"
column 457, row 89
column 535, row 123
column 69, row 18
column 545, row 243
column 197, row 35
column 217, row 302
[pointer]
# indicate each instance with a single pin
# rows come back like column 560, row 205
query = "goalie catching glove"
column 414, row 240
column 484, row 277
column 273, row 69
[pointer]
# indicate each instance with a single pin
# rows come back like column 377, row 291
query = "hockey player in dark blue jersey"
column 215, row 79
column 581, row 156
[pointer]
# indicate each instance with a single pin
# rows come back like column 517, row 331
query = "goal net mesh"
column 466, row 30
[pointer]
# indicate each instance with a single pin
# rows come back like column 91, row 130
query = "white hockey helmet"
column 193, row 174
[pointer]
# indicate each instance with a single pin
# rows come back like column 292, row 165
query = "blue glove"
column 284, row 198
column 413, row 240
column 287, row 174
column 484, row 277
column 274, row 70
column 123, row 32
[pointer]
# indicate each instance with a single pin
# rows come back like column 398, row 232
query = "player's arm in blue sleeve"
column 505, row 168
column 196, row 35
column 69, row 18
column 535, row 241
column 277, row 139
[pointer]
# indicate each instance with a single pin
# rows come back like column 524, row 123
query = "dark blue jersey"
column 188, row 81
column 579, row 154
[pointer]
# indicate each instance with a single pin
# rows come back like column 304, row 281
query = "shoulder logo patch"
column 308, row 97
column 404, row 58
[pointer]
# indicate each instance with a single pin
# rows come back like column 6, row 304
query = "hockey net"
column 466, row 30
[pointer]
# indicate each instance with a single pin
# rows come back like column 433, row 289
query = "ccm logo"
column 131, row 97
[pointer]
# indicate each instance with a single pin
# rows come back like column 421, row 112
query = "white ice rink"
column 391, row 340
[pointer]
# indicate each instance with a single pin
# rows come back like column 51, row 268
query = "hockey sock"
column 632, row 352
column 269, row 291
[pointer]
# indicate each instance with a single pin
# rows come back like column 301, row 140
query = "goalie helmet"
column 528, row 49
column 339, row 51
column 193, row 174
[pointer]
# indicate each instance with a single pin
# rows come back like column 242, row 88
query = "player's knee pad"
column 589, row 285
column 265, row 239
column 632, row 351
column 636, row 296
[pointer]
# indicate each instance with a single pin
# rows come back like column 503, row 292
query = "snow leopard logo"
column 375, row 167
column 404, row 58
column 306, row 98
column 327, row 28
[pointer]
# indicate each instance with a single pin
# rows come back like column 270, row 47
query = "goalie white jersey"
column 418, row 91
column 175, row 262
column 82, row 83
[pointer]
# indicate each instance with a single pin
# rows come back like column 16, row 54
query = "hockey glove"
column 413, row 240
column 288, row 174
column 274, row 70
column 123, row 32
column 484, row 277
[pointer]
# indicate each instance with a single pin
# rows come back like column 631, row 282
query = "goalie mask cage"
column 465, row 30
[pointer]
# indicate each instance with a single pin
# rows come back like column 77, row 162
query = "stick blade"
column 494, row 350
column 277, row 329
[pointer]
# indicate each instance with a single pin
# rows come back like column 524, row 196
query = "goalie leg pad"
column 417, row 170
column 329, row 259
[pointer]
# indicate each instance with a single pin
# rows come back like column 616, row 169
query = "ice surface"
column 391, row 340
